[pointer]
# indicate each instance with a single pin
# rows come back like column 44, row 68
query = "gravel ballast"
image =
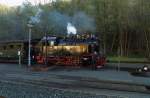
column 11, row 90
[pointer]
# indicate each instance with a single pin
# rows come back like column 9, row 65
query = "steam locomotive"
column 75, row 50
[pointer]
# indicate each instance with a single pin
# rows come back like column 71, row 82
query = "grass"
column 127, row 59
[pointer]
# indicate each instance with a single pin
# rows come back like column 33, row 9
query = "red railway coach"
column 76, row 50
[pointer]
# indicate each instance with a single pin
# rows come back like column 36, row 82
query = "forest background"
column 123, row 26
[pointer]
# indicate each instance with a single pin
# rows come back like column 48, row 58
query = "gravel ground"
column 10, row 90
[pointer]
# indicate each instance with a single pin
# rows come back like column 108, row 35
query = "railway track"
column 56, row 86
column 77, row 83
column 10, row 90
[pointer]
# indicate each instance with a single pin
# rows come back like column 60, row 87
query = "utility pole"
column 45, row 48
column 29, row 43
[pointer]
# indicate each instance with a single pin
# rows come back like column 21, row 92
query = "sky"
column 19, row 2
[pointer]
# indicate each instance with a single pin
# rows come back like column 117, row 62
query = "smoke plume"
column 36, row 18
column 59, row 21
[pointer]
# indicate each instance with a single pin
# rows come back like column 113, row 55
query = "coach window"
column 4, row 47
column 19, row 46
column 11, row 46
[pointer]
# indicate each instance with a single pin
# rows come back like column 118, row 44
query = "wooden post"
column 19, row 55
